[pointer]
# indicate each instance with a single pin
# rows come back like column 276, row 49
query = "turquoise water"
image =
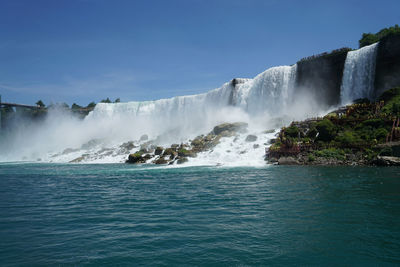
column 116, row 214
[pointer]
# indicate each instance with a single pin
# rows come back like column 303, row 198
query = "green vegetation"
column 391, row 99
column 106, row 100
column 292, row 131
column 370, row 38
column 40, row 104
column 331, row 153
column 91, row 105
column 326, row 130
column 356, row 133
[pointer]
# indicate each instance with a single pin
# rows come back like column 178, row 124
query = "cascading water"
column 99, row 136
column 359, row 74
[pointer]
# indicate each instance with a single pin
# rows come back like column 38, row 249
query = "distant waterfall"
column 359, row 74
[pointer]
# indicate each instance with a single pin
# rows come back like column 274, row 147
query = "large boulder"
column 136, row 158
column 230, row 128
column 182, row 160
column 251, row 138
column 158, row 150
column 186, row 153
column 161, row 161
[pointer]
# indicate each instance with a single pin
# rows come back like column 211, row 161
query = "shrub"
column 326, row 130
column 331, row 153
column 292, row 131
column 312, row 133
column 380, row 134
column 370, row 38
column 347, row 138
column 375, row 123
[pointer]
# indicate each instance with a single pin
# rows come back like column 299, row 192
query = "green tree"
column 106, row 100
column 326, row 130
column 91, row 105
column 117, row 100
column 75, row 106
column 40, row 104
column 370, row 38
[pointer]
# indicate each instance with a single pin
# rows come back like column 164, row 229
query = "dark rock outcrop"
column 230, row 128
column 321, row 77
column 251, row 138
column 387, row 73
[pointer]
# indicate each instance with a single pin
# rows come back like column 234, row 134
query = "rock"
column 79, row 159
column 158, row 150
column 136, row 158
column 226, row 133
column 182, row 160
column 144, row 137
column 170, row 152
column 128, row 145
column 268, row 131
column 287, row 161
column 161, row 161
column 174, row 146
column 186, row 153
column 256, row 146
column 271, row 160
column 387, row 161
column 230, row 127
column 251, row 138
column 147, row 157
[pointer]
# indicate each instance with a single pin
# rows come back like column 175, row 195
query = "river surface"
column 116, row 214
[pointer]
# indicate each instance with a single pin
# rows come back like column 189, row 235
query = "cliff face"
column 321, row 77
column 387, row 73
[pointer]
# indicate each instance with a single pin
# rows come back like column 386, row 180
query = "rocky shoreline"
column 179, row 153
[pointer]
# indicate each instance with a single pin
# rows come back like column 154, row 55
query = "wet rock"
column 161, row 161
column 136, row 158
column 128, row 145
column 170, row 152
column 182, row 160
column 230, row 127
column 251, row 138
column 387, row 161
column 77, row 160
column 175, row 146
column 268, row 131
column 288, row 161
column 186, row 153
column 226, row 133
column 158, row 150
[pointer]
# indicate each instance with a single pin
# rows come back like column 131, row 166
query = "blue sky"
column 86, row 50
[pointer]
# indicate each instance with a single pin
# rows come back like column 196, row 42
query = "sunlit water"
column 116, row 214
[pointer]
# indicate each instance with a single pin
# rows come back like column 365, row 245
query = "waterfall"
column 359, row 74
column 269, row 92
